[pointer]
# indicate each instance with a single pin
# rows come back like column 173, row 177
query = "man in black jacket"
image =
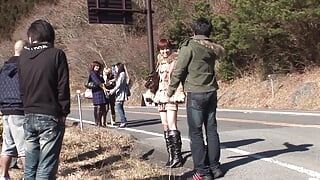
column 12, row 110
column 44, row 85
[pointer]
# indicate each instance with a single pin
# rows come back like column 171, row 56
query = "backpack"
column 10, row 97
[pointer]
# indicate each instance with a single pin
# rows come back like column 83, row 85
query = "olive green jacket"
column 195, row 66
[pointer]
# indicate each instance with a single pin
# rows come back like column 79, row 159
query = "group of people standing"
column 40, row 100
column 109, row 91
column 191, row 71
column 35, row 101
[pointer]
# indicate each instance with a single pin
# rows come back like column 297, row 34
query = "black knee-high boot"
column 95, row 114
column 101, row 109
column 175, row 139
column 169, row 147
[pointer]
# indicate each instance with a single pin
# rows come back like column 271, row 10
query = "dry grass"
column 100, row 154
column 250, row 92
column 85, row 42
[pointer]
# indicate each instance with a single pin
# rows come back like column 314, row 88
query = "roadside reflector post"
column 80, row 109
column 271, row 84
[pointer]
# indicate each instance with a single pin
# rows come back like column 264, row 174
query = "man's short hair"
column 41, row 31
column 202, row 27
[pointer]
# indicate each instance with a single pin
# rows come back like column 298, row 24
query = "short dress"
column 165, row 68
column 98, row 95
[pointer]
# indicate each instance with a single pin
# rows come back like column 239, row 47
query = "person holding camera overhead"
column 121, row 92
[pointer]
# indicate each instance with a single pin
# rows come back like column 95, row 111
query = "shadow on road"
column 238, row 143
column 289, row 148
column 137, row 123
column 187, row 154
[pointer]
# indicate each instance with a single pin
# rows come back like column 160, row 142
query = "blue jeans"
column 201, row 110
column 43, row 141
column 13, row 136
column 120, row 110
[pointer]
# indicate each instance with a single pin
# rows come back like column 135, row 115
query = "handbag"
column 152, row 82
column 90, row 84
column 128, row 92
column 88, row 93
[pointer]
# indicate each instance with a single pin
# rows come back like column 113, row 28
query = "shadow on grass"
column 100, row 164
column 86, row 155
column 184, row 176
column 146, row 155
column 92, row 166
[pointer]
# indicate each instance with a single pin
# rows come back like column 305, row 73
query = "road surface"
column 264, row 145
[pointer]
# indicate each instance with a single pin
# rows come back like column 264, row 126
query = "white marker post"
column 80, row 110
column 271, row 83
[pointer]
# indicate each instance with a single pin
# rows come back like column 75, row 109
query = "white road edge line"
column 298, row 169
column 240, row 111
column 272, row 112
column 244, row 121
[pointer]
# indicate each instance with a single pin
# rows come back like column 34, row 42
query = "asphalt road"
column 263, row 145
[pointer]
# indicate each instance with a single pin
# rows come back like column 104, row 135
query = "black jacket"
column 10, row 99
column 44, row 80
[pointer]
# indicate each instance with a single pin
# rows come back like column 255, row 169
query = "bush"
column 261, row 37
column 282, row 36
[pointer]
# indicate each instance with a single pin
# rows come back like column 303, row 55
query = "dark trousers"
column 112, row 101
column 201, row 110
column 100, row 113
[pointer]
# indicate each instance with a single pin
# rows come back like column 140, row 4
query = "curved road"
column 264, row 145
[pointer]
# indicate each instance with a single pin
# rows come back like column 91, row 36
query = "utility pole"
column 150, row 35
column 120, row 12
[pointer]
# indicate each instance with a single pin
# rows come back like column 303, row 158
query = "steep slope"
column 85, row 43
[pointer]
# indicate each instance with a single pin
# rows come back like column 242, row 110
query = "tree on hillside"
column 280, row 36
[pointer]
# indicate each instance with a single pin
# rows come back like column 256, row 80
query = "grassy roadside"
column 100, row 153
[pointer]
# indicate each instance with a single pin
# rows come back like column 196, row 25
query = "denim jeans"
column 120, row 110
column 201, row 110
column 43, row 140
column 13, row 136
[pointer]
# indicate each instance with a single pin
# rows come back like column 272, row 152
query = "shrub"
column 283, row 36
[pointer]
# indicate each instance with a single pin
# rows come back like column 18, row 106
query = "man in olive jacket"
column 195, row 69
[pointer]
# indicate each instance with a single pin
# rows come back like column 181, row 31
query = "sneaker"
column 216, row 173
column 122, row 125
column 197, row 176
